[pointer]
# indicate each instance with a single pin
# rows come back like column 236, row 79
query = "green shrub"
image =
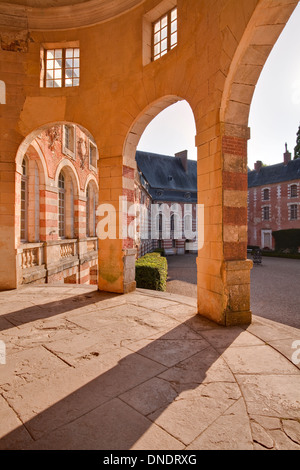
column 154, row 254
column 159, row 250
column 276, row 254
column 151, row 272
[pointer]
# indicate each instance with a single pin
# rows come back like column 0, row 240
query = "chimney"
column 287, row 156
column 184, row 159
column 257, row 166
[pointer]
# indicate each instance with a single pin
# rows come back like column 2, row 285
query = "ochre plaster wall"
column 222, row 47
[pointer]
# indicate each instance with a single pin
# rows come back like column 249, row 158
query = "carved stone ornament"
column 53, row 135
column 82, row 150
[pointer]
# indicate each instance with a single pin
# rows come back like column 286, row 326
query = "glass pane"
column 58, row 64
column 76, row 52
column 58, row 53
column 164, row 52
column 164, row 33
column 50, row 64
column 69, row 52
column 156, row 38
column 156, row 26
column 76, row 82
column 57, row 83
column 69, row 63
column 50, row 75
column 173, row 39
column 68, row 82
column 157, row 49
column 50, row 54
column 174, row 26
column 69, row 73
column 164, row 44
column 174, row 14
column 57, row 73
column 49, row 84
column 164, row 21
column 76, row 63
column 76, row 73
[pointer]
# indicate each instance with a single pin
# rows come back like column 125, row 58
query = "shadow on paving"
column 118, row 408
column 51, row 309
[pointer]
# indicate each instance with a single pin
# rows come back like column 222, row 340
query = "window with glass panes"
column 266, row 213
column 61, row 206
column 164, row 34
column 293, row 212
column 62, row 67
column 266, row 194
column 24, row 199
column 294, row 190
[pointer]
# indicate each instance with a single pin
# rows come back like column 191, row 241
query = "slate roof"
column 168, row 181
column 272, row 174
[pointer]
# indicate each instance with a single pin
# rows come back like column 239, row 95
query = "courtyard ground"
column 275, row 291
column 90, row 370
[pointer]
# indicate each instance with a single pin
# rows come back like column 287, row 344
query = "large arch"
column 257, row 41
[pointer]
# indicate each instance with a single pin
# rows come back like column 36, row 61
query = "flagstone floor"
column 90, row 370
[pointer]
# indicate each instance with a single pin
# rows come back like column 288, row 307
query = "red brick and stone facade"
column 170, row 183
column 57, row 196
column 273, row 201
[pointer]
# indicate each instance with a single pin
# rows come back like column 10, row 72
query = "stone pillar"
column 116, row 272
column 235, row 189
column 223, row 272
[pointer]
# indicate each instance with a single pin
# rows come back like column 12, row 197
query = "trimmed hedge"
column 151, row 272
column 287, row 239
column 276, row 254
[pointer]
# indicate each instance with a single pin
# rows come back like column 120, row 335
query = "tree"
column 297, row 148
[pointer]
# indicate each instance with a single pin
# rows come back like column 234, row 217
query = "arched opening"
column 241, row 215
column 56, row 197
column 166, row 187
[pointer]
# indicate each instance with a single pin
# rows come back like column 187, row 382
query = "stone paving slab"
column 90, row 370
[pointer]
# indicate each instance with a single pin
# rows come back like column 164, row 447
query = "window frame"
column 264, row 192
column 264, row 215
column 293, row 187
column 92, row 166
column 168, row 14
column 63, row 48
column 24, row 181
column 62, row 192
column 65, row 149
column 292, row 208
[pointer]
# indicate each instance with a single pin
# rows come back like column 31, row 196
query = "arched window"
column 172, row 224
column 61, row 206
column 24, row 201
column 294, row 190
column 266, row 194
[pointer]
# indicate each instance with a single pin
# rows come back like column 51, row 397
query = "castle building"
column 56, row 200
column 169, row 183
column 273, row 200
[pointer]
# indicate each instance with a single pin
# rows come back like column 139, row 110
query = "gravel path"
column 275, row 291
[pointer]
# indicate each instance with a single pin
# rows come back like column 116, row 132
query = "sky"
column 274, row 114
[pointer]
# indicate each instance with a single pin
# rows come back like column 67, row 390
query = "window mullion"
column 169, row 32
column 63, row 65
